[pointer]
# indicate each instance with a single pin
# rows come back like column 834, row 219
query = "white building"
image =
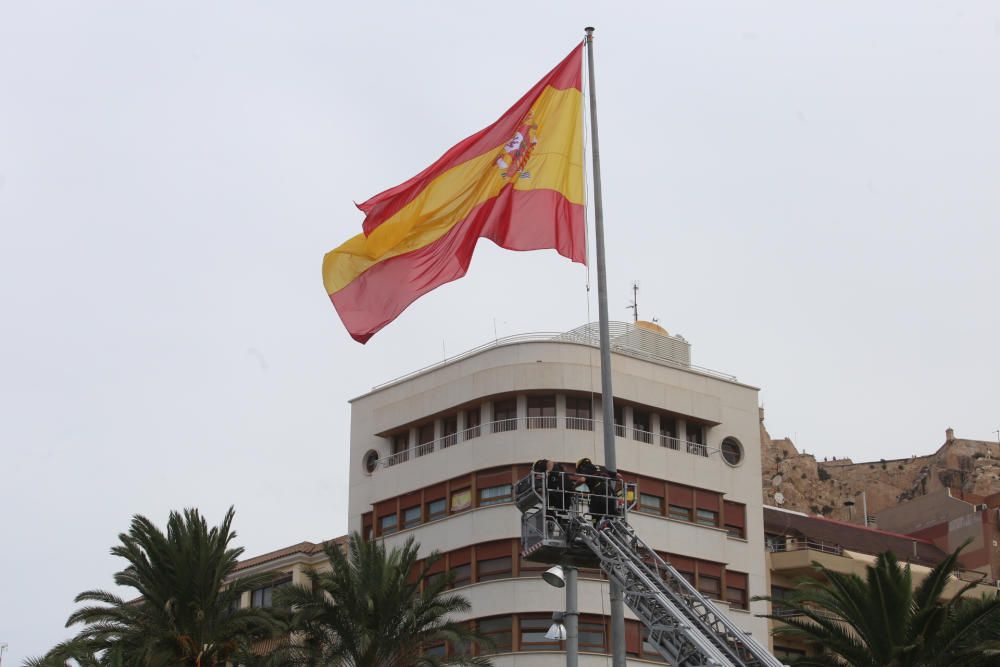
column 435, row 454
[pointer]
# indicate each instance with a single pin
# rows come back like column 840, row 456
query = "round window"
column 732, row 451
column 371, row 461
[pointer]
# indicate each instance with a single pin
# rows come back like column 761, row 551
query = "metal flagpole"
column 607, row 396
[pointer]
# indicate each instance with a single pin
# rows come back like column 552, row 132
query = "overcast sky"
column 808, row 192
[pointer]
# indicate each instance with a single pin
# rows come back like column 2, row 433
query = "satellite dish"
column 779, row 498
column 776, row 480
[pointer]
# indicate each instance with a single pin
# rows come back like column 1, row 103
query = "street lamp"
column 557, row 630
column 565, row 626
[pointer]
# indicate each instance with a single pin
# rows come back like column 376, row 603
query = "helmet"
column 586, row 466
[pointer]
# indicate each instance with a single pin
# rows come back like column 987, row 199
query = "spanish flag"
column 518, row 183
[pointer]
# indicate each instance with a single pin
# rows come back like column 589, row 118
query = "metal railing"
column 545, row 422
column 626, row 340
column 811, row 545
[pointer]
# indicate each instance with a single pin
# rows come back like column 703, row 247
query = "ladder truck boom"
column 685, row 627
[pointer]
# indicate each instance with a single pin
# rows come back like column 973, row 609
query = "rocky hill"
column 796, row 480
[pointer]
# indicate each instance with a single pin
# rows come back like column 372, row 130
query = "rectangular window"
column 494, row 495
column 436, row 509
column 736, row 597
column 680, row 513
column 650, row 503
column 473, row 420
column 696, row 439
column 640, row 426
column 494, row 568
column 411, row 516
column 505, row 415
column 710, row 586
column 734, row 518
column 461, row 575
column 461, row 500
column 425, row 439
column 533, row 635
column 435, row 649
column 387, row 524
column 707, row 518
column 668, row 432
column 264, row 597
column 579, row 414
column 400, row 445
column 541, row 412
column 649, row 651
column 619, row 420
column 591, row 636
column 449, row 431
column 500, row 630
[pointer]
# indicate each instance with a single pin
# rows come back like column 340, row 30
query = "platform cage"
column 550, row 502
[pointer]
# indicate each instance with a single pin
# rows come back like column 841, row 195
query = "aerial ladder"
column 562, row 524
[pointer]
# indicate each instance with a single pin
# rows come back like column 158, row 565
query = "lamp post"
column 566, row 625
column 3, row 647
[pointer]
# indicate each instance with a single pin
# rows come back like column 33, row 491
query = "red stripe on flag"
column 384, row 205
column 515, row 220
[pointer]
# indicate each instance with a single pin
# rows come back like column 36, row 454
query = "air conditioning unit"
column 981, row 507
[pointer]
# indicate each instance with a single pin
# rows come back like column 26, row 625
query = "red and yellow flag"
column 518, row 182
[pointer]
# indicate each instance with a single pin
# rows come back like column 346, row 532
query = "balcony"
column 545, row 422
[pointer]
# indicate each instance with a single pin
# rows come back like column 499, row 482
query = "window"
column 707, row 518
column 500, row 630
column 494, row 495
column 736, row 597
column 783, row 653
column 680, row 513
column 591, row 636
column 650, row 503
column 732, row 451
column 461, row 499
column 620, row 421
column 411, row 516
column 425, row 439
column 400, row 445
column 435, row 649
column 734, row 518
column 461, row 575
column 505, row 415
column 640, row 426
column 371, row 461
column 436, row 509
column 533, row 635
column 668, row 432
column 696, row 439
column 579, row 414
column 649, row 651
column 494, row 568
column 449, row 431
column 709, row 586
column 264, row 597
column 473, row 418
column 387, row 524
column 541, row 412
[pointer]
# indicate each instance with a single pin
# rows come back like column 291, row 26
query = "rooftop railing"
column 663, row 440
column 626, row 339
column 811, row 545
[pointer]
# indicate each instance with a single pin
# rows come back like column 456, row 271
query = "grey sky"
column 809, row 192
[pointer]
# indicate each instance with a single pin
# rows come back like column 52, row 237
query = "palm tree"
column 882, row 621
column 186, row 613
column 368, row 611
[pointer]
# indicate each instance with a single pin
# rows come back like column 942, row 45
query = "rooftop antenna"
column 634, row 306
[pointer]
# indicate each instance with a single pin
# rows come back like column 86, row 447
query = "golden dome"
column 651, row 326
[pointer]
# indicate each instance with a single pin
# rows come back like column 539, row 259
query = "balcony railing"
column 545, row 422
column 798, row 545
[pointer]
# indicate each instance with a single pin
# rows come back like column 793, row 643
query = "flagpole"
column 607, row 395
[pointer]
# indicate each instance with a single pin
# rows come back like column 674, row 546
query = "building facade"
column 435, row 455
